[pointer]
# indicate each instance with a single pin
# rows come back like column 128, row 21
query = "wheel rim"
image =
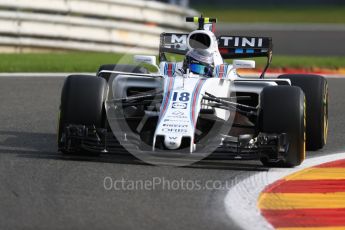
column 325, row 115
column 304, row 130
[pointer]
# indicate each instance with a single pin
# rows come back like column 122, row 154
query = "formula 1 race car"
column 198, row 105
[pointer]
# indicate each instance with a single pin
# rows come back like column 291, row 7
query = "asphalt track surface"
column 42, row 189
column 294, row 39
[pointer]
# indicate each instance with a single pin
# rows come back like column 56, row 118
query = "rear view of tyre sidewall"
column 283, row 111
column 315, row 88
column 82, row 102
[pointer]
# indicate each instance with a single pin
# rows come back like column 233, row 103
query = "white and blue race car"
column 196, row 106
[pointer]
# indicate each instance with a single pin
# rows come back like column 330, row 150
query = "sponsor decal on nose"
column 172, row 142
column 179, row 105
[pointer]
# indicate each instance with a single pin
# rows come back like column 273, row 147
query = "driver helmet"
column 199, row 61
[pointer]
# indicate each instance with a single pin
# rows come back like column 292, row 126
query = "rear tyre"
column 82, row 102
column 283, row 111
column 315, row 88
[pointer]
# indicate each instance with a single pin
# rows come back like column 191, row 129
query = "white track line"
column 40, row 75
column 241, row 200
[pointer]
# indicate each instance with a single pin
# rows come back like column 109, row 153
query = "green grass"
column 327, row 14
column 90, row 62
column 56, row 62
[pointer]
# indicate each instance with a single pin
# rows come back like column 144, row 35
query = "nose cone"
column 172, row 142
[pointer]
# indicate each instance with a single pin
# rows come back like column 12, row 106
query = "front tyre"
column 283, row 111
column 82, row 103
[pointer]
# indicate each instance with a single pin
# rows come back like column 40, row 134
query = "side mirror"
column 151, row 60
column 243, row 64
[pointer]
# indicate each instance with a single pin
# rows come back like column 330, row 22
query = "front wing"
column 273, row 147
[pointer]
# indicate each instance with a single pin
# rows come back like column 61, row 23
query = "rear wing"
column 229, row 46
column 175, row 43
column 243, row 47
column 246, row 47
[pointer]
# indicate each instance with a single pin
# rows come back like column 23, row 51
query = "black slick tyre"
column 82, row 103
column 283, row 111
column 315, row 88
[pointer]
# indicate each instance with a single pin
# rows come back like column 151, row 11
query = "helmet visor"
column 200, row 69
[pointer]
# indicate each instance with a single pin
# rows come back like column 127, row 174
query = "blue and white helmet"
column 199, row 61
